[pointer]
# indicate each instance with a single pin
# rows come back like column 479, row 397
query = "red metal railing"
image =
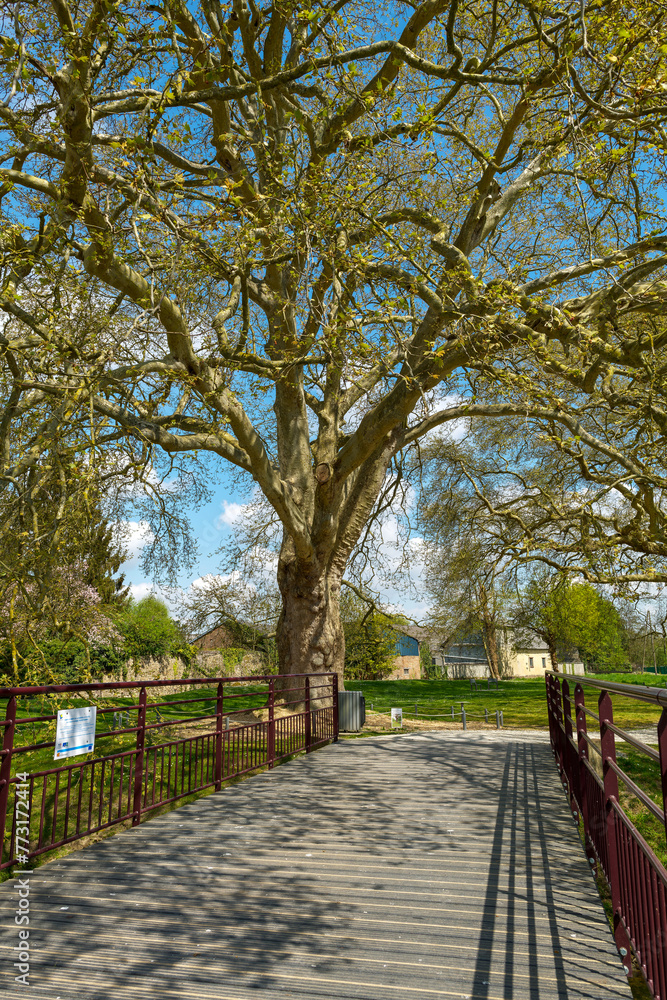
column 164, row 763
column 637, row 879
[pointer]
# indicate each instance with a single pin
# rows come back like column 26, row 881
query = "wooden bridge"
column 413, row 867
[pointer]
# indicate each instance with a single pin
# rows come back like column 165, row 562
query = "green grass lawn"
column 201, row 701
column 523, row 701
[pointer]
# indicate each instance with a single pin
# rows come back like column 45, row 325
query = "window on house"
column 530, row 662
column 406, row 671
column 544, row 661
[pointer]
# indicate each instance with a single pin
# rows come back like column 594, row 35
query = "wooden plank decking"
column 443, row 865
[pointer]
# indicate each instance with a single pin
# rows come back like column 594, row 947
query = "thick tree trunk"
column 489, row 633
column 491, row 644
column 310, row 636
column 552, row 654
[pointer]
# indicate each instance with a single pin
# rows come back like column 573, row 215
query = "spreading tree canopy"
column 300, row 236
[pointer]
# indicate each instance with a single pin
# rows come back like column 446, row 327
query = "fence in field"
column 465, row 715
column 637, row 880
column 496, row 715
column 151, row 760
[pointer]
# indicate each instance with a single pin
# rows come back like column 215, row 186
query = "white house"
column 521, row 655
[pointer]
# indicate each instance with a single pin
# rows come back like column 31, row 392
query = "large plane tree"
column 301, row 235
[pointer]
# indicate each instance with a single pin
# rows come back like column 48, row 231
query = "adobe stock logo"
column 22, row 918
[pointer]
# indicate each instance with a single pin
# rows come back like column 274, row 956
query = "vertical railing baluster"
column 219, row 735
column 42, row 813
column 567, row 707
column 139, row 758
column 271, row 736
column 6, row 766
column 571, row 771
column 662, row 747
column 79, row 801
column 56, row 799
column 111, row 780
column 553, row 700
column 308, row 719
column 100, row 803
column 334, row 695
column 661, row 915
column 610, row 780
column 662, row 923
column 582, row 746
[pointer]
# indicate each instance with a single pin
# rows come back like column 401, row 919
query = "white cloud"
column 141, row 590
column 132, row 536
column 231, row 514
column 211, row 578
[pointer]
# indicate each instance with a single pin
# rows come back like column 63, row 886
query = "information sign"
column 75, row 731
column 397, row 718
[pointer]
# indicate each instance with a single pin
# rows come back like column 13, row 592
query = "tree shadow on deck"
column 375, row 868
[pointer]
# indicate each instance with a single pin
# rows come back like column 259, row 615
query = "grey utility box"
column 351, row 711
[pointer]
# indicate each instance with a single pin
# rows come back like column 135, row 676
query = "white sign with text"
column 75, row 731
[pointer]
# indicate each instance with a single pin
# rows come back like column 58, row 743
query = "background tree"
column 286, row 236
column 104, row 558
column 247, row 606
column 497, row 504
column 428, row 668
column 572, row 616
column 149, row 631
column 467, row 571
column 58, row 560
column 370, row 640
column 567, row 499
column 468, row 596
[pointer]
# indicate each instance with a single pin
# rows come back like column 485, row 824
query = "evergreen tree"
column 58, row 561
column 103, row 559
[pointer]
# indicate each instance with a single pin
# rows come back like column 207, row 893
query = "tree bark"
column 310, row 635
column 552, row 653
column 489, row 633
column 492, row 650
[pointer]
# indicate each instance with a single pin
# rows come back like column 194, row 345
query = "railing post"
column 608, row 747
column 334, row 695
column 219, row 737
column 582, row 747
column 463, row 716
column 567, row 708
column 6, row 766
column 557, row 706
column 308, row 720
column 571, row 773
column 271, row 739
column 547, row 686
column 139, row 759
column 662, row 747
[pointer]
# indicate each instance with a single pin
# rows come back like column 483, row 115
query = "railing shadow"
column 409, row 863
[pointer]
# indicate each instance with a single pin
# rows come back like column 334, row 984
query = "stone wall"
column 211, row 663
column 406, row 668
column 206, row 664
